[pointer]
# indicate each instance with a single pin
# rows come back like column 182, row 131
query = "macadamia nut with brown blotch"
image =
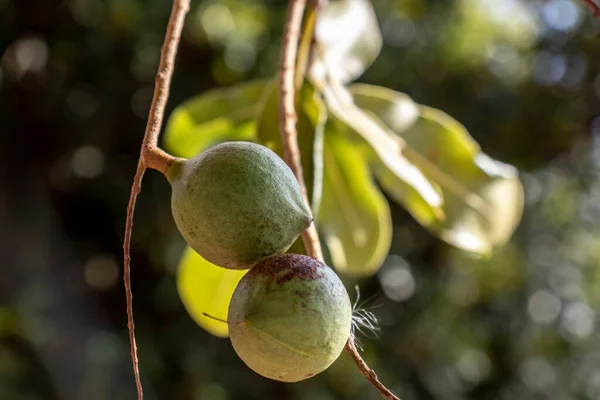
column 289, row 317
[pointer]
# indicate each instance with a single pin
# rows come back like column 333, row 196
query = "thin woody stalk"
column 151, row 157
column 289, row 137
column 287, row 113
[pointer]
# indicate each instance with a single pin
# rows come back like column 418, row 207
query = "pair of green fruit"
column 239, row 206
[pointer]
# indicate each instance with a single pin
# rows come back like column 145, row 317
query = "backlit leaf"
column 483, row 198
column 401, row 114
column 206, row 288
column 354, row 219
column 349, row 38
column 215, row 116
column 366, row 129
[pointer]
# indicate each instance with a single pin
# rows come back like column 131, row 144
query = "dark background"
column 76, row 79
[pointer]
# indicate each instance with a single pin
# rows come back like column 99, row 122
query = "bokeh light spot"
column 576, row 70
column 561, row 15
column 578, row 321
column 87, row 162
column 474, row 365
column 26, row 55
column 217, row 21
column 396, row 279
column 101, row 272
column 537, row 373
column 543, row 306
column 548, row 68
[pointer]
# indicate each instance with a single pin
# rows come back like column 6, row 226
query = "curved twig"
column 135, row 190
column 151, row 157
column 289, row 138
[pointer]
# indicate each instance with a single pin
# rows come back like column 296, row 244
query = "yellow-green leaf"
column 483, row 198
column 404, row 194
column 206, row 288
column 384, row 149
column 354, row 219
column 491, row 214
column 218, row 115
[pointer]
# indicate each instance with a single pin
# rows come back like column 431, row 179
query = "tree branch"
column 288, row 116
column 594, row 7
column 289, row 138
column 151, row 157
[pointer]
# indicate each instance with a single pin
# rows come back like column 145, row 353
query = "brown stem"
column 368, row 372
column 287, row 113
column 289, row 138
column 151, row 157
column 594, row 7
column 156, row 158
column 135, row 190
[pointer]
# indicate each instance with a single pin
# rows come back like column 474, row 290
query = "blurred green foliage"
column 76, row 80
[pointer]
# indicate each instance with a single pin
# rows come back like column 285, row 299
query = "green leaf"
column 206, row 288
column 488, row 216
column 397, row 109
column 312, row 115
column 354, row 219
column 350, row 39
column 483, row 198
column 219, row 115
column 400, row 115
column 384, row 149
column 403, row 193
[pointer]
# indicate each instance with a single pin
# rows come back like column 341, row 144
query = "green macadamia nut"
column 289, row 318
column 237, row 203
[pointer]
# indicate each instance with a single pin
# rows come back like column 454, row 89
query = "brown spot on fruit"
column 286, row 277
column 285, row 267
